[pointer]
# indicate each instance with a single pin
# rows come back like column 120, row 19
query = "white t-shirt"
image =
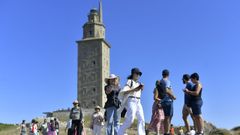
column 131, row 84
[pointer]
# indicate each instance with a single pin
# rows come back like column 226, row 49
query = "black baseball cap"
column 136, row 71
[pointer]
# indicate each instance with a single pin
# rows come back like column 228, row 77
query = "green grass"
column 6, row 126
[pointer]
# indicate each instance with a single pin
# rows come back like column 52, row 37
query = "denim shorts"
column 167, row 106
column 197, row 107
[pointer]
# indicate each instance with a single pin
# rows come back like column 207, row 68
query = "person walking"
column 57, row 126
column 167, row 97
column 157, row 119
column 44, row 127
column 112, row 104
column 34, row 128
column 133, row 90
column 172, row 130
column 23, row 128
column 196, row 102
column 51, row 128
column 77, row 119
column 186, row 111
column 97, row 121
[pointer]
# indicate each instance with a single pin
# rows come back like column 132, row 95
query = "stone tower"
column 93, row 61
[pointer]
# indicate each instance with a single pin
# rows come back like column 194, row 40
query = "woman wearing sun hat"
column 112, row 90
column 77, row 117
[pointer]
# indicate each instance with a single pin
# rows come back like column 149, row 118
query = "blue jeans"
column 112, row 121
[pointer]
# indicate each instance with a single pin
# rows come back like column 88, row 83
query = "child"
column 51, row 128
column 97, row 121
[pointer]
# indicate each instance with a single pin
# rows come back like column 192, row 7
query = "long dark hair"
column 157, row 84
column 130, row 77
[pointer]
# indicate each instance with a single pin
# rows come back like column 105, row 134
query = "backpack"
column 131, row 84
column 124, row 112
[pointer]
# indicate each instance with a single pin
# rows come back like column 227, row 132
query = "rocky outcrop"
column 236, row 130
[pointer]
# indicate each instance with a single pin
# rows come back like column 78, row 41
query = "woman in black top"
column 196, row 102
column 112, row 90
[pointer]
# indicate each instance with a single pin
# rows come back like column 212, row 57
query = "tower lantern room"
column 94, row 27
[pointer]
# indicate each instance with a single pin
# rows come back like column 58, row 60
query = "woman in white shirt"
column 132, row 93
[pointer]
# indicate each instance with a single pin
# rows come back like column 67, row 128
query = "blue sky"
column 38, row 53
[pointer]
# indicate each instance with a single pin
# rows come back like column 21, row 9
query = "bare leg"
column 185, row 113
column 194, row 121
column 167, row 124
column 200, row 123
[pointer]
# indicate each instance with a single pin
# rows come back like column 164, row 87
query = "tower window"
column 94, row 89
column 90, row 33
column 94, row 103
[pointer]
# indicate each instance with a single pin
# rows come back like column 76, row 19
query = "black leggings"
column 77, row 127
column 69, row 131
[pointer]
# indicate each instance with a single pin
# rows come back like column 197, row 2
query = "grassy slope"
column 7, row 129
